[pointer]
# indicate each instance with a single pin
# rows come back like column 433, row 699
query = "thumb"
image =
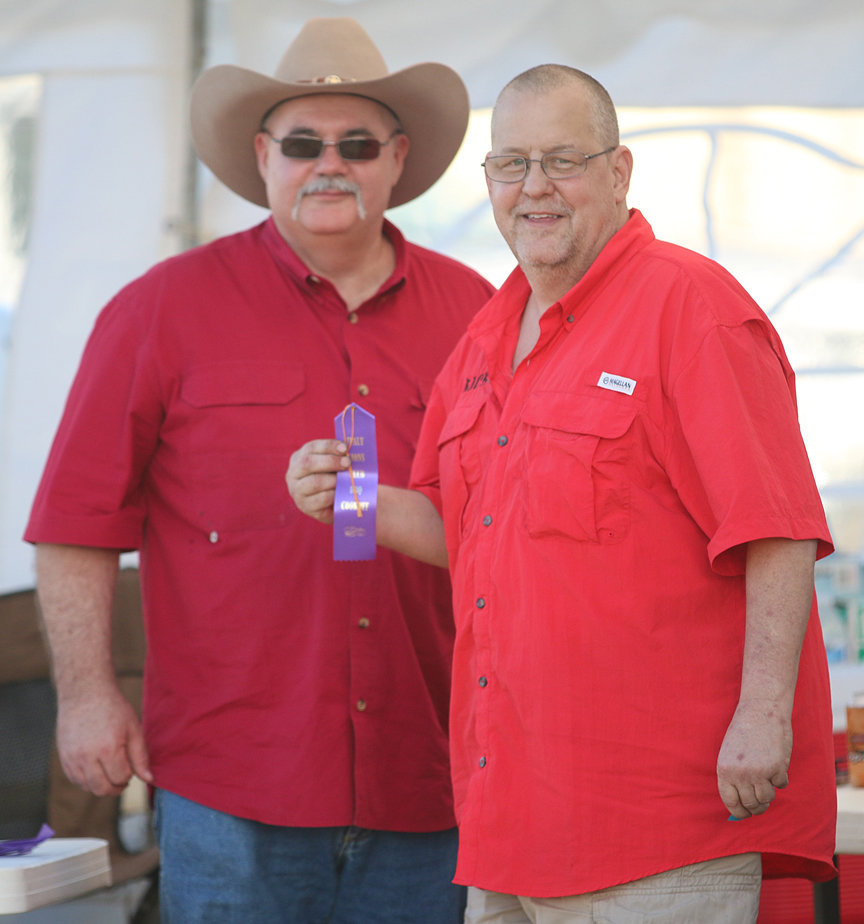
column 780, row 780
column 138, row 757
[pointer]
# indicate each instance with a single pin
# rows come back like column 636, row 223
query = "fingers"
column 753, row 761
column 109, row 773
column 101, row 745
column 747, row 799
column 752, row 804
column 102, row 776
column 311, row 477
column 113, row 777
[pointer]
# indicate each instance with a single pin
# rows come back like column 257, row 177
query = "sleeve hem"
column 727, row 551
column 123, row 534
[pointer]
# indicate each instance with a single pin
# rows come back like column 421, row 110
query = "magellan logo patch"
column 616, row 383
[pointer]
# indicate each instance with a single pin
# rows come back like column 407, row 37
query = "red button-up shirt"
column 596, row 505
column 280, row 685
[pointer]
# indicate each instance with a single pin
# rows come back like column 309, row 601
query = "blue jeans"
column 219, row 868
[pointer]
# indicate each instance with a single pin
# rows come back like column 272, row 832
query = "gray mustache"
column 323, row 184
column 329, row 184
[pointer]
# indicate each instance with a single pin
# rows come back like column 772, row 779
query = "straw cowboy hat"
column 333, row 55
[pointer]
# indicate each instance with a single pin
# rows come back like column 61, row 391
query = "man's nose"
column 330, row 161
column 536, row 182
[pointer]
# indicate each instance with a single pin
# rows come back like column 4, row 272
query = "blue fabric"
column 216, row 867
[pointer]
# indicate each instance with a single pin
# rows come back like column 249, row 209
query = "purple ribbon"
column 356, row 488
column 20, row 848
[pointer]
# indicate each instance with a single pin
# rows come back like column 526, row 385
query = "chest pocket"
column 455, row 442
column 241, row 424
column 575, row 473
column 459, row 458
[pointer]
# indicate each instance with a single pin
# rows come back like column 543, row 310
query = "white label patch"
column 616, row 383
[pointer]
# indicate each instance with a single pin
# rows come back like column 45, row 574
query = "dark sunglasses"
column 308, row 147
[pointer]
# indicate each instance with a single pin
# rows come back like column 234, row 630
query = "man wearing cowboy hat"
column 296, row 708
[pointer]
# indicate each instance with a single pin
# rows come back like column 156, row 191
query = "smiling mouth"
column 541, row 216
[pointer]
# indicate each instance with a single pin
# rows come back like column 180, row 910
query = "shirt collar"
column 495, row 328
column 510, row 299
column 288, row 261
column 631, row 238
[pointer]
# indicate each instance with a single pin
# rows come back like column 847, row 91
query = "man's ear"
column 262, row 152
column 402, row 145
column 622, row 168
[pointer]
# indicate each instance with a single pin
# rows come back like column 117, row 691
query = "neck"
column 549, row 284
column 551, row 281
column 356, row 263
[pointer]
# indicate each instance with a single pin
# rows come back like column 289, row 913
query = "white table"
column 850, row 840
column 850, row 819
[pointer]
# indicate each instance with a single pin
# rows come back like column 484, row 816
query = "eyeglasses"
column 557, row 165
column 308, row 147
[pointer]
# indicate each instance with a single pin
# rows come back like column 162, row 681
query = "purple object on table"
column 22, row 847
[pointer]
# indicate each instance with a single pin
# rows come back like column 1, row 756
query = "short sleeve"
column 91, row 490
column 737, row 457
column 425, row 476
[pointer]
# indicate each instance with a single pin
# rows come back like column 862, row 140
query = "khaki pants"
column 723, row 891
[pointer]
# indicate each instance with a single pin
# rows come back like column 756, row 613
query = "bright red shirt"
column 280, row 685
column 596, row 503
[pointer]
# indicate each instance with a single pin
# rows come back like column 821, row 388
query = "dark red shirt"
column 597, row 504
column 280, row 685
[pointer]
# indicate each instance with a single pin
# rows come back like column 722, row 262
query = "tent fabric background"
column 112, row 143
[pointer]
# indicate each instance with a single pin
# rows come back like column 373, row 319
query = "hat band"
column 330, row 78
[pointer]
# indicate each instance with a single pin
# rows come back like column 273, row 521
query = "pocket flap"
column 239, row 383
column 460, row 420
column 607, row 418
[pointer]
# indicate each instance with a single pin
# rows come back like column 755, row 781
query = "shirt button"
column 313, row 280
column 482, row 762
column 487, row 520
column 481, row 602
column 361, row 705
column 352, row 317
column 363, row 622
column 214, row 536
column 482, row 681
column 363, row 390
column 502, row 440
column 570, row 319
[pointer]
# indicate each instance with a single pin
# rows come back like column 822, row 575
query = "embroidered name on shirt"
column 476, row 381
column 616, row 383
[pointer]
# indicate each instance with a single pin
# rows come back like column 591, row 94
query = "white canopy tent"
column 105, row 188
